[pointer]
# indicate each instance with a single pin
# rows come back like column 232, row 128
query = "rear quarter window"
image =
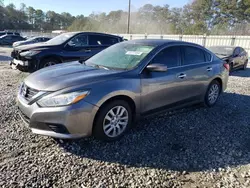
column 208, row 56
column 102, row 40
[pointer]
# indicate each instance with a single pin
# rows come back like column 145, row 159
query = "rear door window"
column 102, row 40
column 193, row 55
column 208, row 56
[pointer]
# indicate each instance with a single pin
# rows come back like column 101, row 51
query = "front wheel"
column 113, row 120
column 212, row 94
column 48, row 62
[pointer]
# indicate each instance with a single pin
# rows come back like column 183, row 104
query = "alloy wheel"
column 213, row 93
column 115, row 121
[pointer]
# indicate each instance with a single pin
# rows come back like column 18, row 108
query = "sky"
column 86, row 7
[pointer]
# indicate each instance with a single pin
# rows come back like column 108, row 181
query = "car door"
column 197, row 71
column 160, row 89
column 243, row 56
column 76, row 49
column 236, row 57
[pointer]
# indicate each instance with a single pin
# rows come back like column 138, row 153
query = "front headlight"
column 29, row 53
column 63, row 99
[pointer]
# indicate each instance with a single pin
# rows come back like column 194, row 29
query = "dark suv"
column 63, row 48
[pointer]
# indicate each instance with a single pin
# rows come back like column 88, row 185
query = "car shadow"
column 241, row 73
column 189, row 139
column 5, row 58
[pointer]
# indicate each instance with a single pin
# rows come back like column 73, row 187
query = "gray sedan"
column 105, row 95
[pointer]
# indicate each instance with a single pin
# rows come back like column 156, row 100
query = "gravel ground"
column 192, row 147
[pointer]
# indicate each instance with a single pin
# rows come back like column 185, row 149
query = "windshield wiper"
column 98, row 66
column 103, row 67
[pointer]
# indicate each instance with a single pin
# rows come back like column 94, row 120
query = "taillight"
column 226, row 65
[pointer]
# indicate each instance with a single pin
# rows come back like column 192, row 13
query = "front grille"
column 58, row 128
column 27, row 92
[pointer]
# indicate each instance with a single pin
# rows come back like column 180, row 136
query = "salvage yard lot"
column 191, row 147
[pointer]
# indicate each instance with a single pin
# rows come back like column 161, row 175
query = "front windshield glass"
column 31, row 39
column 60, row 38
column 221, row 50
column 121, row 56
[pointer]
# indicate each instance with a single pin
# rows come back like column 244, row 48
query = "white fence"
column 211, row 40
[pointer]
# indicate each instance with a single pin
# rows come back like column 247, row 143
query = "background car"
column 104, row 95
column 236, row 57
column 10, row 39
column 31, row 41
column 62, row 48
column 8, row 33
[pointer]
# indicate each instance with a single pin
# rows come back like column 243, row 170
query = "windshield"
column 121, row 56
column 60, row 38
column 221, row 50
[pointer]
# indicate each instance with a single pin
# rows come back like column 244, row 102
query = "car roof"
column 159, row 42
column 95, row 33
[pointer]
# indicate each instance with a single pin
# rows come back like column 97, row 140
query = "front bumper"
column 67, row 122
column 19, row 64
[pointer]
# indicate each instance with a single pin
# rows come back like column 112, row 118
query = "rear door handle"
column 182, row 76
column 209, row 69
column 87, row 50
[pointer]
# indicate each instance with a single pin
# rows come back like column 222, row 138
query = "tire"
column 108, row 130
column 244, row 67
column 48, row 62
column 210, row 99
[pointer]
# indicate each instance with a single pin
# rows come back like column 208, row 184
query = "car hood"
column 37, row 46
column 68, row 75
column 15, row 44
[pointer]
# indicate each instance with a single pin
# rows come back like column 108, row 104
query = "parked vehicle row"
column 63, row 48
column 9, row 33
column 31, row 40
column 10, row 39
column 236, row 57
column 105, row 94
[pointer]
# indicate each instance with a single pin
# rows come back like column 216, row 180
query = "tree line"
column 196, row 17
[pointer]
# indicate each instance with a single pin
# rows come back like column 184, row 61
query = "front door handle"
column 209, row 69
column 182, row 76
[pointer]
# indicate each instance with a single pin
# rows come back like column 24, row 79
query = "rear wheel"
column 48, row 62
column 212, row 94
column 113, row 120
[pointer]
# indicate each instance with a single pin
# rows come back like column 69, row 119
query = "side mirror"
column 157, row 68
